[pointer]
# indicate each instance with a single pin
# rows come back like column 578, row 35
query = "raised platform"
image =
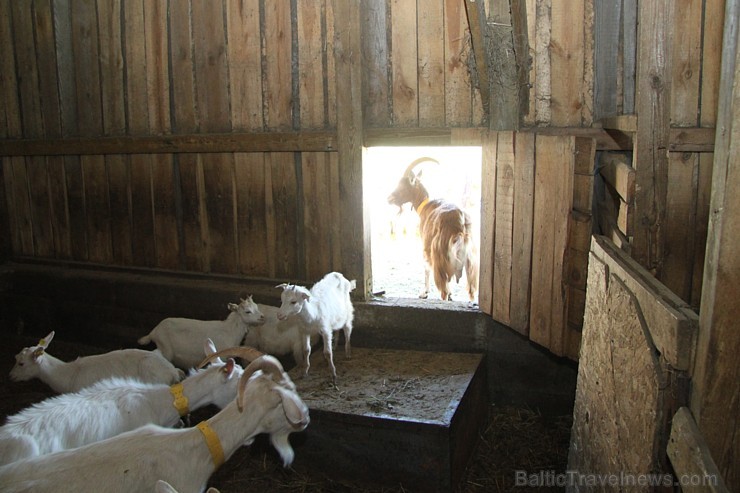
column 397, row 417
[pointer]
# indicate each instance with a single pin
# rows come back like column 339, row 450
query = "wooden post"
column 715, row 398
column 355, row 237
column 653, row 132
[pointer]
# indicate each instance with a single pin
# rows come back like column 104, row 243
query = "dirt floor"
column 512, row 440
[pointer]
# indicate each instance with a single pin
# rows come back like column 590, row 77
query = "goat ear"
column 209, row 347
column 37, row 353
column 44, row 342
column 233, row 307
column 229, row 368
column 295, row 409
column 283, row 285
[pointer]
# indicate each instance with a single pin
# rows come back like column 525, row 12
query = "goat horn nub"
column 268, row 364
column 418, row 161
column 244, row 352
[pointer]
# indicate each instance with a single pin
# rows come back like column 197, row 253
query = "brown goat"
column 446, row 231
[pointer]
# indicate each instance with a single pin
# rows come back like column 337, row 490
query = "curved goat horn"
column 268, row 364
column 415, row 162
column 244, row 352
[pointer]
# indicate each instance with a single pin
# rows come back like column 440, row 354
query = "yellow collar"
column 422, row 205
column 180, row 402
column 214, row 444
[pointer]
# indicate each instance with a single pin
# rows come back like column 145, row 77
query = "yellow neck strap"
column 422, row 205
column 214, row 444
column 180, row 402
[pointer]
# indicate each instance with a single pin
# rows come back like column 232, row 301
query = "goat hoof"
column 423, row 296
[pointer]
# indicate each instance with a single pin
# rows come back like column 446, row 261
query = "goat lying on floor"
column 446, row 231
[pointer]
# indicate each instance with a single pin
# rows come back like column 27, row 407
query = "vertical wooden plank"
column 431, row 63
column 218, row 179
column 38, row 186
column 6, row 231
column 13, row 240
column 542, row 54
column 245, row 64
column 504, row 90
column 711, row 60
column 111, row 68
column 142, row 210
column 355, row 236
column 195, row 242
column 629, row 55
column 166, row 238
column 703, row 197
column 653, row 105
column 59, row 211
column 212, row 92
column 119, row 191
column 184, row 118
column 251, row 214
column 521, row 255
column 331, row 89
column 318, row 214
column 311, row 68
column 76, row 207
column 529, row 110
column 488, row 221
column 503, row 236
column 285, row 214
column 405, row 92
column 97, row 208
column 23, row 241
column 566, row 62
column 376, row 52
column 678, row 264
column 28, row 76
column 157, row 68
column 553, row 198
column 137, row 107
column 715, row 396
column 608, row 16
column 277, row 76
column 65, row 66
column 10, row 123
column 458, row 99
column 686, row 64
column 48, row 81
column 86, row 68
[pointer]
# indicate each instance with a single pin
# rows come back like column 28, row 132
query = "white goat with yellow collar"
column 111, row 407
column 185, row 458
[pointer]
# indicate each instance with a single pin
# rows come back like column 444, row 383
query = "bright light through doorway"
column 396, row 250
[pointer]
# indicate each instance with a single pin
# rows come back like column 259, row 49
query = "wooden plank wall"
column 538, row 189
column 675, row 243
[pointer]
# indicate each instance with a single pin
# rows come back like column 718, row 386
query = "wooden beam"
column 505, row 108
column 617, row 171
column 715, row 397
column 690, row 456
column 682, row 140
column 323, row 140
column 650, row 158
column 355, row 236
column 476, row 16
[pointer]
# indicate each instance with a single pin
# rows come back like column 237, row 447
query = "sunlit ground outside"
column 396, row 247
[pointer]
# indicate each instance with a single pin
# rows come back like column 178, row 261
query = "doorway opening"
column 395, row 244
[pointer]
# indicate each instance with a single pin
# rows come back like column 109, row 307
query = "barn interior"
column 165, row 158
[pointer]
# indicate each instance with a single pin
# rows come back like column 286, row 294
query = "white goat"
column 164, row 487
column 111, row 407
column 35, row 362
column 280, row 337
column 327, row 307
column 180, row 339
column 134, row 461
